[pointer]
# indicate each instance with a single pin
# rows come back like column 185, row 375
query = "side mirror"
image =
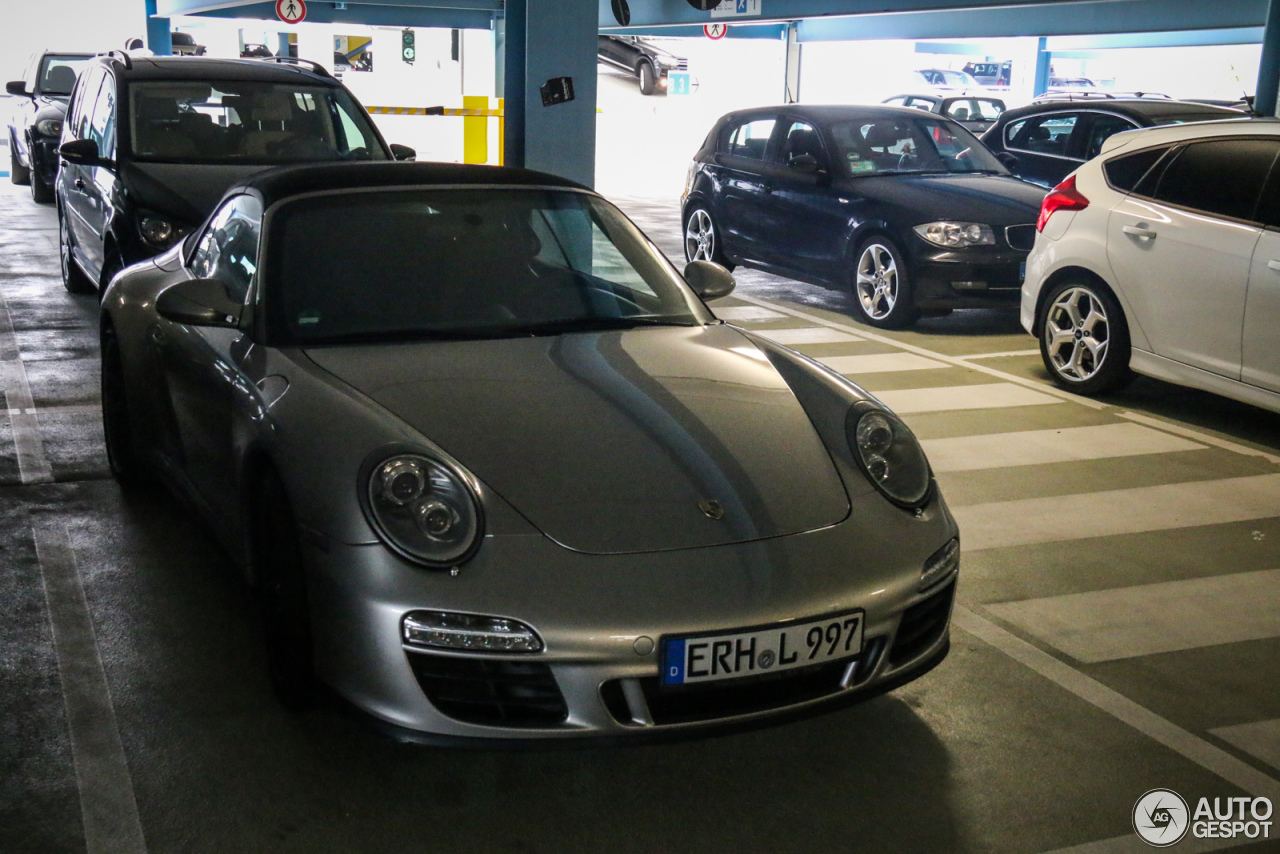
column 403, row 152
column 17, row 87
column 199, row 302
column 709, row 280
column 83, row 152
column 806, row 164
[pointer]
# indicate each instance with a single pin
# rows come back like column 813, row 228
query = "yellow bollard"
column 475, row 130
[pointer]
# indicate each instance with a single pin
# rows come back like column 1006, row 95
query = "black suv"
column 36, row 123
column 649, row 64
column 1046, row 142
column 150, row 145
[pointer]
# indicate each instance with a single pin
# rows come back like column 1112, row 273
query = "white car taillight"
column 1064, row 197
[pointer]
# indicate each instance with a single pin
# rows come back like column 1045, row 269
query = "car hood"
column 995, row 199
column 615, row 442
column 186, row 192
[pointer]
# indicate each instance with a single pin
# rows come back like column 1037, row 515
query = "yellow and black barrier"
column 475, row 111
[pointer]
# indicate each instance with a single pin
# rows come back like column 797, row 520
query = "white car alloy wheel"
column 1084, row 341
column 699, row 237
column 881, row 286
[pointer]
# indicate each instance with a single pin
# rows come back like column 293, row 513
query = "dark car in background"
column 184, row 44
column 151, row 143
column 906, row 209
column 36, row 122
column 975, row 112
column 1047, row 141
column 647, row 63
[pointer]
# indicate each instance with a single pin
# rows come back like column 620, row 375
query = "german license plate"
column 708, row 658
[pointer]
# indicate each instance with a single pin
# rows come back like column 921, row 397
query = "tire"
column 702, row 238
column 41, row 193
column 18, row 174
column 282, row 593
column 112, row 264
column 648, row 78
column 117, row 424
column 1084, row 338
column 73, row 278
column 882, row 286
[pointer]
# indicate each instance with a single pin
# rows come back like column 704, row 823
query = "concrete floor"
column 1118, row 631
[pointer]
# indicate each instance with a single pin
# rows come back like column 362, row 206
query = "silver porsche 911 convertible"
column 498, row 472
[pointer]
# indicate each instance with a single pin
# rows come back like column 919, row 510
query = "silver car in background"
column 497, row 472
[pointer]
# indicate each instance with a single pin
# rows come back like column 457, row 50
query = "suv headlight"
column 889, row 454
column 954, row 235
column 49, row 127
column 423, row 509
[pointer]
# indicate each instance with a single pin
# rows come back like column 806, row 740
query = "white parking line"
column 107, row 803
column 808, row 335
column 952, row 398
column 1003, row 355
column 881, row 363
column 1058, row 518
column 1260, row 739
column 33, row 463
column 747, row 313
column 1036, row 447
column 1146, row 619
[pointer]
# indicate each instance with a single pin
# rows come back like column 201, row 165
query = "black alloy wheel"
column 702, row 238
column 648, row 78
column 117, row 424
column 73, row 278
column 282, row 593
column 1084, row 339
column 882, row 286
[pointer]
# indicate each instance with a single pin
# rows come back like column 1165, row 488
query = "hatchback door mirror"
column 403, row 152
column 199, row 302
column 17, row 87
column 83, row 152
column 709, row 280
column 806, row 164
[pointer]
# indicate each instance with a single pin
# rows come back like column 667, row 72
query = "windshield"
column 463, row 263
column 58, row 74
column 910, row 145
column 236, row 121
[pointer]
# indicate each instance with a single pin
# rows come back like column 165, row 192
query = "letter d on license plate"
column 750, row 652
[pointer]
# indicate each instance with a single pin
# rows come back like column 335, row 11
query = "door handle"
column 1138, row 231
column 1273, row 264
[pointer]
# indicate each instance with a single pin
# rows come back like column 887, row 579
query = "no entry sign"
column 291, row 11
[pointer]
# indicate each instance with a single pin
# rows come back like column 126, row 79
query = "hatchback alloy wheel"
column 699, row 237
column 1084, row 342
column 881, row 286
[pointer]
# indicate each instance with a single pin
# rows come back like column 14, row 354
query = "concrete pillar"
column 791, row 92
column 159, row 37
column 1043, row 59
column 282, row 44
column 1264, row 101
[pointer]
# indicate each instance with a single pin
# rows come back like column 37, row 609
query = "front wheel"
column 882, row 286
column 73, row 278
column 1084, row 340
column 648, row 79
column 41, row 193
column 282, row 588
column 702, row 238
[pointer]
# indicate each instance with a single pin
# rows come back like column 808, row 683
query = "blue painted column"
column 159, row 39
column 1043, row 60
column 545, row 40
column 1268, row 90
column 282, row 44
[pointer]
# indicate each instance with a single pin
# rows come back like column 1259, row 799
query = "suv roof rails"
column 121, row 57
column 293, row 60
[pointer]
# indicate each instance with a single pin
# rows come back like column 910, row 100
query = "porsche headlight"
column 890, row 455
column 49, row 127
column 957, row 235
column 423, row 510
column 158, row 231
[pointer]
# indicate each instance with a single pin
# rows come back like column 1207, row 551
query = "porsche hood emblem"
column 711, row 508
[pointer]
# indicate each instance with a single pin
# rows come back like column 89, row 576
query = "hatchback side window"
column 750, row 139
column 1044, row 135
column 1222, row 177
column 228, row 250
column 86, row 95
column 1124, row 173
column 101, row 126
column 801, row 138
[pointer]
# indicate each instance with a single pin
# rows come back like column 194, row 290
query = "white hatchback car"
column 1161, row 256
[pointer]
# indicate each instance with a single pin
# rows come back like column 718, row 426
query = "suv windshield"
column 910, row 145
column 237, row 121
column 58, row 73
column 463, row 263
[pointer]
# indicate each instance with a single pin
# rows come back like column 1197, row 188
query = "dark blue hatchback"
column 906, row 209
